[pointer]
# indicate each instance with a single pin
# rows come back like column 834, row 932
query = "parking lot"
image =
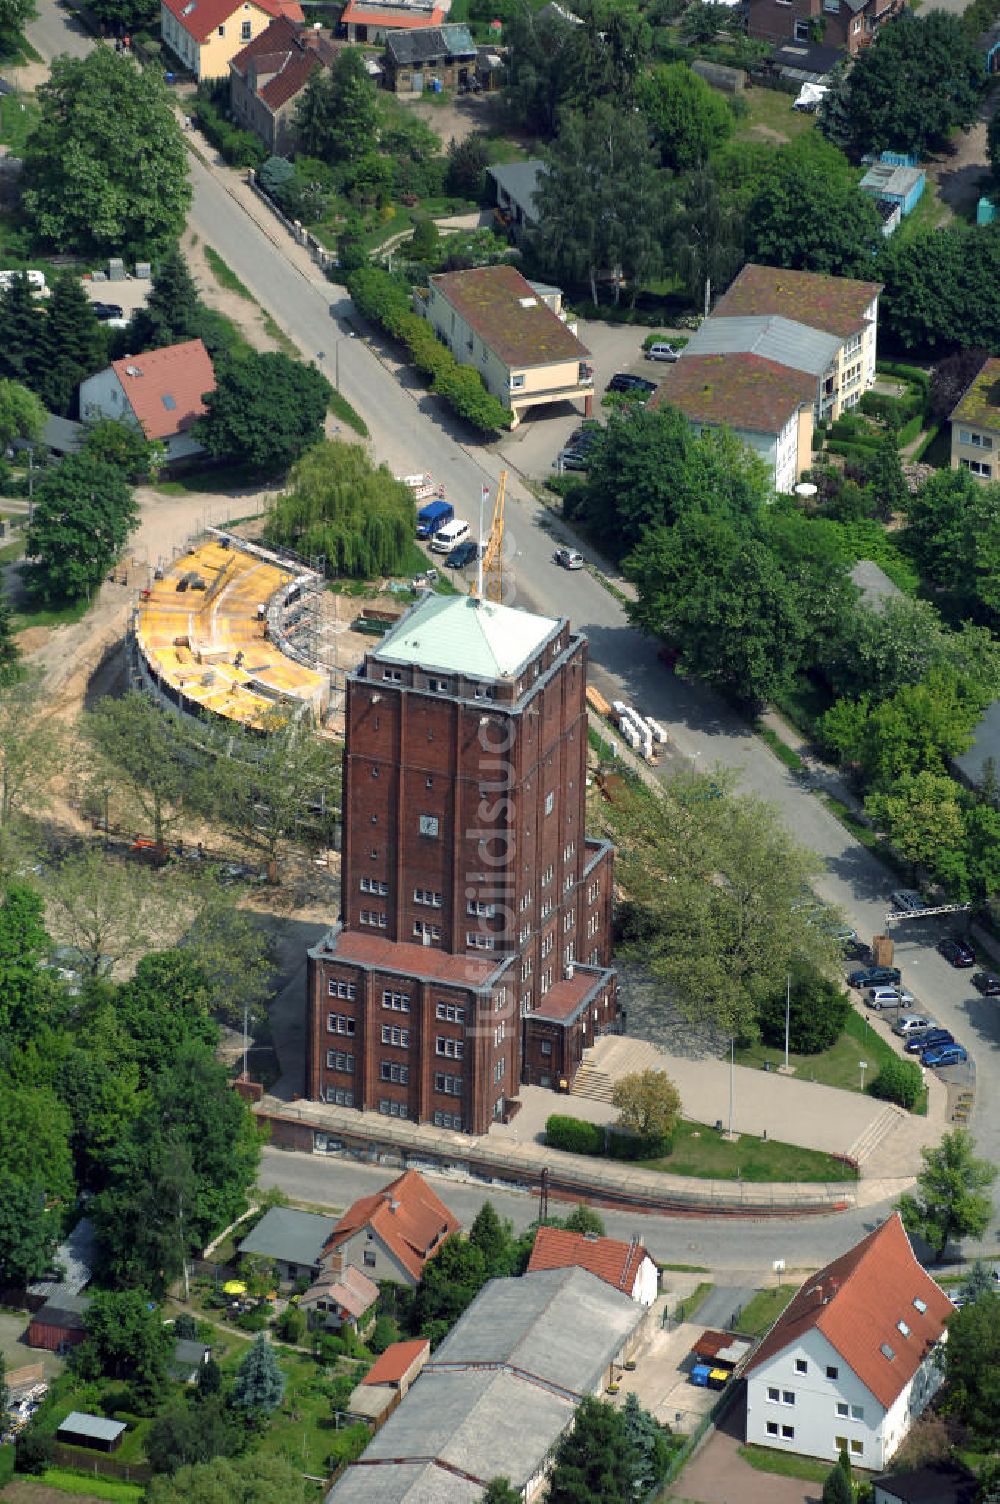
column 129, row 294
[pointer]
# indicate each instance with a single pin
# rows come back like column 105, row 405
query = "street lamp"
column 732, row 1079
column 321, row 356
column 864, row 1066
column 788, row 1012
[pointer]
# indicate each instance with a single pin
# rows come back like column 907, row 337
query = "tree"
column 648, row 1103
column 138, row 743
column 467, row 164
column 979, row 1282
column 34, row 1139
column 266, row 410
column 898, row 1081
column 950, row 1199
column 73, row 346
column 185, row 1434
column 108, row 910
column 700, row 24
column 123, row 446
column 83, row 515
column 706, row 242
column 941, row 289
column 337, row 117
column 20, row 332
column 601, row 201
column 232, row 950
column 910, row 89
column 689, row 119
column 173, row 310
column 972, row 1367
column 584, row 1219
column 163, row 1008
column 714, row 884
column 22, row 415
column 499, row 1491
column 125, row 1339
column 31, row 748
column 923, row 818
column 105, row 169
column 885, row 479
column 450, row 1282
column 25, row 991
column 837, row 1487
column 803, row 217
column 259, row 1384
column 647, row 1442
column 817, row 1012
column 29, row 1233
column 494, row 1237
column 555, row 65
column 246, row 1480
column 125, row 17
column 425, row 242
column 593, row 1459
column 14, row 16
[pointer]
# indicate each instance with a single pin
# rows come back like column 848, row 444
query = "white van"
column 449, row 536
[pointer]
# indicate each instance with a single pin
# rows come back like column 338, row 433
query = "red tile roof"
column 565, row 997
column 745, row 392
column 200, row 18
column 836, row 304
column 396, row 1362
column 616, row 1263
column 412, row 960
column 164, row 388
column 858, row 1303
column 409, row 1218
column 509, row 316
column 278, row 63
column 391, row 17
column 352, row 1291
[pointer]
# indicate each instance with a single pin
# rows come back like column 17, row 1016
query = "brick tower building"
column 473, row 948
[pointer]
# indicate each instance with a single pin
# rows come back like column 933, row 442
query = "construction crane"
column 489, row 576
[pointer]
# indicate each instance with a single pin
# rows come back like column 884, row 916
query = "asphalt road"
column 738, row 1250
column 55, row 30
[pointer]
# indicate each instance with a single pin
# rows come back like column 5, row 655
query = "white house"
column 849, row 1365
column 625, row 1266
column 160, row 393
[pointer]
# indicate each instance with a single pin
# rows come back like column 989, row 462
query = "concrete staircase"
column 878, row 1129
column 613, row 1056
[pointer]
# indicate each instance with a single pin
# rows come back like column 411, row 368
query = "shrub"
column 292, row 1325
column 6, row 1465
column 255, row 1320
column 574, row 1135
column 817, row 1013
column 34, row 1451
column 622, row 1145
column 383, row 1334
column 898, row 1081
column 237, row 147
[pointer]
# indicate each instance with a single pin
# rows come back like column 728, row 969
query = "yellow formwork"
column 191, row 639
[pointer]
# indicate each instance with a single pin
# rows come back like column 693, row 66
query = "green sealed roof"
column 460, row 634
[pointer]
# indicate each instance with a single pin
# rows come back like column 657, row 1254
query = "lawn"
column 304, row 1430
column 17, row 120
column 691, row 1304
column 786, row 1464
column 28, row 615
column 90, row 1486
column 837, row 1066
column 700, row 1151
column 765, row 1307
column 771, row 109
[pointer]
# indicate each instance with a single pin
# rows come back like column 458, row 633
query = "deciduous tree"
column 126, row 1339
column 14, row 16
column 244, row 1480
column 125, row 447
column 593, row 1459
column 802, row 217
column 25, row 991
column 185, row 1434
column 648, row 1103
column 971, row 1365
column 138, row 744
column 83, row 515
column 34, row 1139
column 689, row 119
column 951, row 1198
column 31, row 749
column 451, row 1281
column 29, row 1232
column 105, row 169
column 109, row 910
column 22, row 414
column 584, row 1219
column 266, row 411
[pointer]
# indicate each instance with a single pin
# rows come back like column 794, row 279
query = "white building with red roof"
column 850, row 1364
column 207, row 34
column 161, row 393
column 625, row 1266
column 392, row 1234
column 372, row 20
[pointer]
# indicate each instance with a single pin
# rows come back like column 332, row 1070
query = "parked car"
column 907, row 901
column 568, row 558
column 624, row 381
column 875, row 976
column 662, row 351
column 922, row 1042
column 105, row 311
column 888, row 997
column 573, row 459
column 987, row 982
column 944, row 1054
column 909, row 1025
column 958, row 952
column 462, row 554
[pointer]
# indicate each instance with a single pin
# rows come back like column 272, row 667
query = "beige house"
column 267, row 77
column 207, row 34
column 807, row 321
column 975, row 425
column 514, row 334
column 392, row 1234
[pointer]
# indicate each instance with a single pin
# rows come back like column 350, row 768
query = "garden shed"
column 93, row 1431
column 896, row 184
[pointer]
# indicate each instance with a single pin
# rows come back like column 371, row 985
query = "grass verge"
column 782, row 751
column 785, row 1464
column 685, row 1268
column 50, row 616
column 688, row 1307
column 700, row 1151
column 342, row 409
column 88, row 1485
column 226, row 277
column 764, row 1308
column 18, row 118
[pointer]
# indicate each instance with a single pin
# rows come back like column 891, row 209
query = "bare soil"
column 245, row 313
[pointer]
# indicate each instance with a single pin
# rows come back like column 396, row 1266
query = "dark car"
column 462, row 554
column 944, row 1054
column 958, row 952
column 875, row 976
column 106, row 311
column 625, row 382
column 987, row 982
column 925, row 1041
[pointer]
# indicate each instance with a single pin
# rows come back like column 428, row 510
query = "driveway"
column 719, row 1475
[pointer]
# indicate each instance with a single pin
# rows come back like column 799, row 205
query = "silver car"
column 911, row 1024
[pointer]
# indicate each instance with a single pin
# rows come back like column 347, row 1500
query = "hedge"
column 910, row 430
column 237, row 147
column 380, row 297
column 7, row 1455
column 862, row 453
column 576, row 1136
column 905, row 373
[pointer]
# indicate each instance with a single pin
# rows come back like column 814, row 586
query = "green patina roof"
column 460, row 634
column 981, row 403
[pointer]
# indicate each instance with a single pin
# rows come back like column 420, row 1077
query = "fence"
column 320, row 254
column 100, row 1466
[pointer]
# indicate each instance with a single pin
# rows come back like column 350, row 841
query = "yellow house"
column 975, row 425
column 206, row 34
column 511, row 332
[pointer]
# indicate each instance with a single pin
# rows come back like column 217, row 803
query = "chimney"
column 335, row 1262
